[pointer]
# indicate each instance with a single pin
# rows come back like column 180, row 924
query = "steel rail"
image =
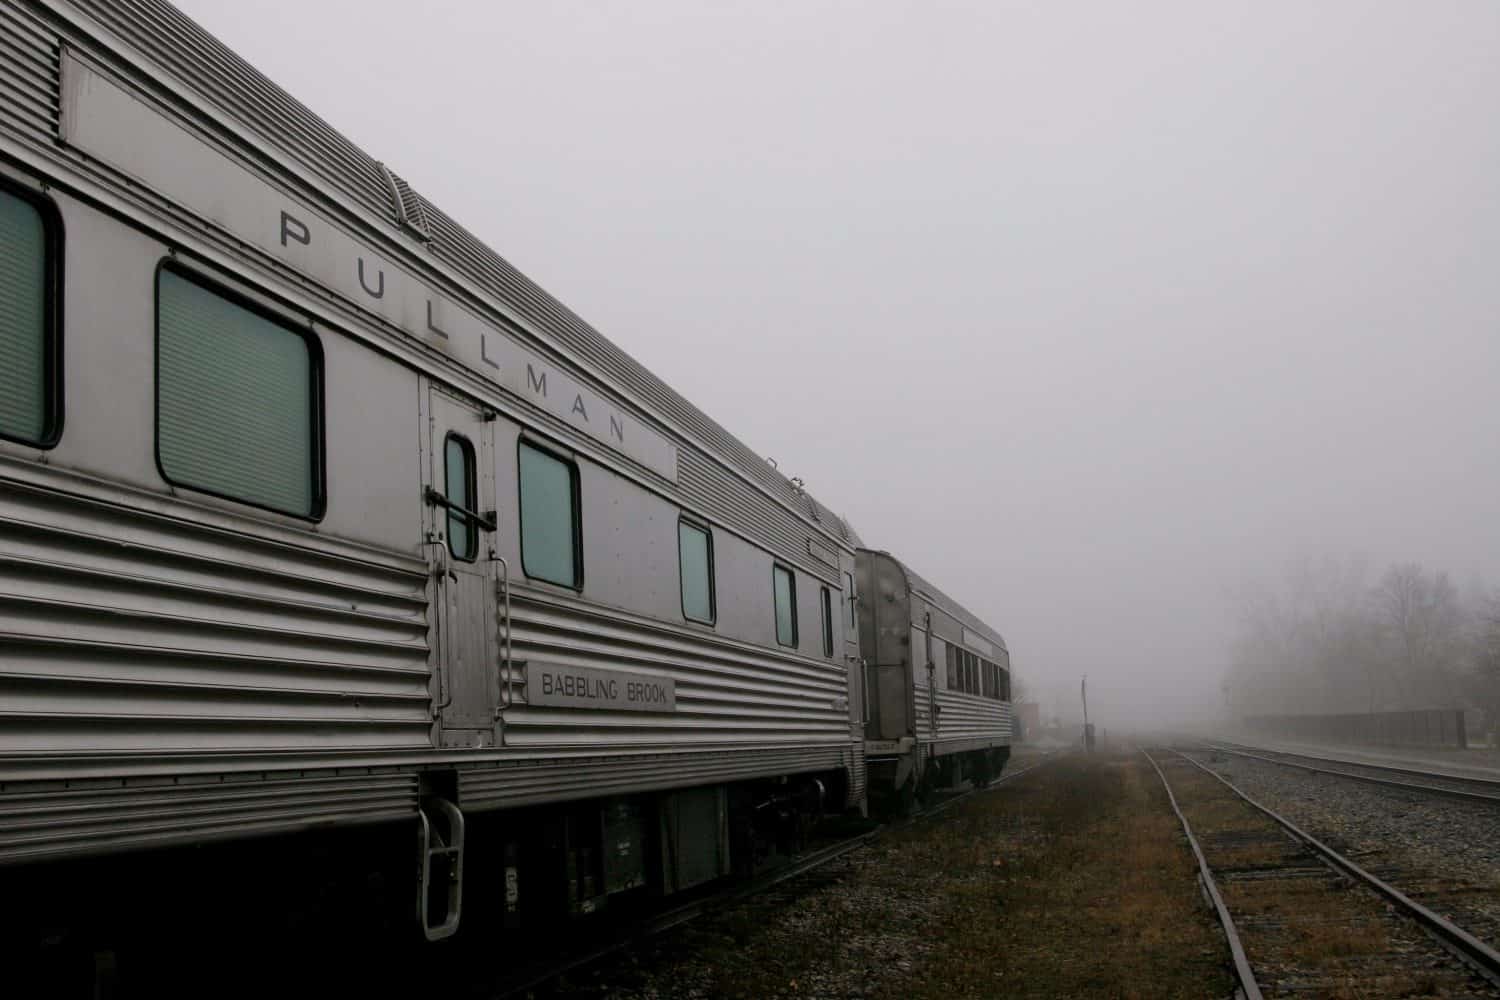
column 1482, row 957
column 1242, row 970
column 652, row 926
column 1259, row 753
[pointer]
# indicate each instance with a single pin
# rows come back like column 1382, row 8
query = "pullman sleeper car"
column 316, row 515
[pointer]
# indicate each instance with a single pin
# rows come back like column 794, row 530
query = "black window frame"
column 52, row 315
column 576, row 482
column 470, row 501
column 284, row 320
column 826, row 604
column 792, row 590
column 713, row 584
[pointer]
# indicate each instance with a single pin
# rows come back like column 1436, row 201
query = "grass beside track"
column 1073, row 881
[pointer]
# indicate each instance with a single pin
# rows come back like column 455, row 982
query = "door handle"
column 484, row 522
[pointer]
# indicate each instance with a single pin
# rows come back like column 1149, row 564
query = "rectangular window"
column 695, row 563
column 970, row 673
column 459, row 487
column 28, row 345
column 550, row 530
column 784, row 585
column 827, row 621
column 237, row 400
column 952, row 651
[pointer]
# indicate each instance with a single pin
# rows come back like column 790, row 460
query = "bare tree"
column 1422, row 623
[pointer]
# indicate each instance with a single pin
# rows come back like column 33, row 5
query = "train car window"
column 952, row 651
column 29, row 400
column 238, row 399
column 550, row 529
column 784, row 585
column 461, row 489
column 827, row 622
column 695, row 563
column 971, row 673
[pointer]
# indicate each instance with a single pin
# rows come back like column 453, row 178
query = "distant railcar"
column 937, row 685
column 316, row 514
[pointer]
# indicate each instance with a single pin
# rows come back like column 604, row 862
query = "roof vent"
column 410, row 213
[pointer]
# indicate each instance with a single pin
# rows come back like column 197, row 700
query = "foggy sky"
column 1087, row 311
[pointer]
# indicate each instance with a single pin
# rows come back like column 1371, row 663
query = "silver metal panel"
column 585, row 772
column 465, row 589
column 46, row 821
column 551, row 685
column 28, row 67
column 106, row 121
column 212, row 74
column 725, row 691
column 156, row 629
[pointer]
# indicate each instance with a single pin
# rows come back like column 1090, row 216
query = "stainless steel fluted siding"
column 583, row 773
column 726, row 692
column 28, row 75
column 709, row 485
column 54, row 819
column 964, row 720
column 124, row 630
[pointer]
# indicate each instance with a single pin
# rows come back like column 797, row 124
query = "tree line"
column 1331, row 636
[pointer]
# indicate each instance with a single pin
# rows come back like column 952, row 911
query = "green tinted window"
column 786, row 606
column 24, row 403
column 235, row 400
column 549, row 518
column 695, row 561
column 458, row 487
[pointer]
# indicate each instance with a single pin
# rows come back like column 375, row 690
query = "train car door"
column 461, row 521
column 885, row 644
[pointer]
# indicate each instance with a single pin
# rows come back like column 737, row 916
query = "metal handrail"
column 441, row 575
column 505, row 694
column 485, row 522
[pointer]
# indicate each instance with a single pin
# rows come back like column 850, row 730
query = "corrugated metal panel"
column 921, row 586
column 586, row 773
column 125, row 630
column 183, row 49
column 715, row 490
column 29, row 99
column 965, row 721
column 42, row 820
column 179, row 46
column 726, row 692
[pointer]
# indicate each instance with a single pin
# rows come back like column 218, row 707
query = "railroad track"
column 1283, row 899
column 792, row 879
column 1453, row 786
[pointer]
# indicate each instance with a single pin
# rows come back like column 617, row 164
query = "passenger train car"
column 315, row 514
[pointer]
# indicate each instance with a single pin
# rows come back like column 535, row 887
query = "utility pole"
column 1088, row 730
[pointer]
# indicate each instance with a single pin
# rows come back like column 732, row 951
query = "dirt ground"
column 1072, row 881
